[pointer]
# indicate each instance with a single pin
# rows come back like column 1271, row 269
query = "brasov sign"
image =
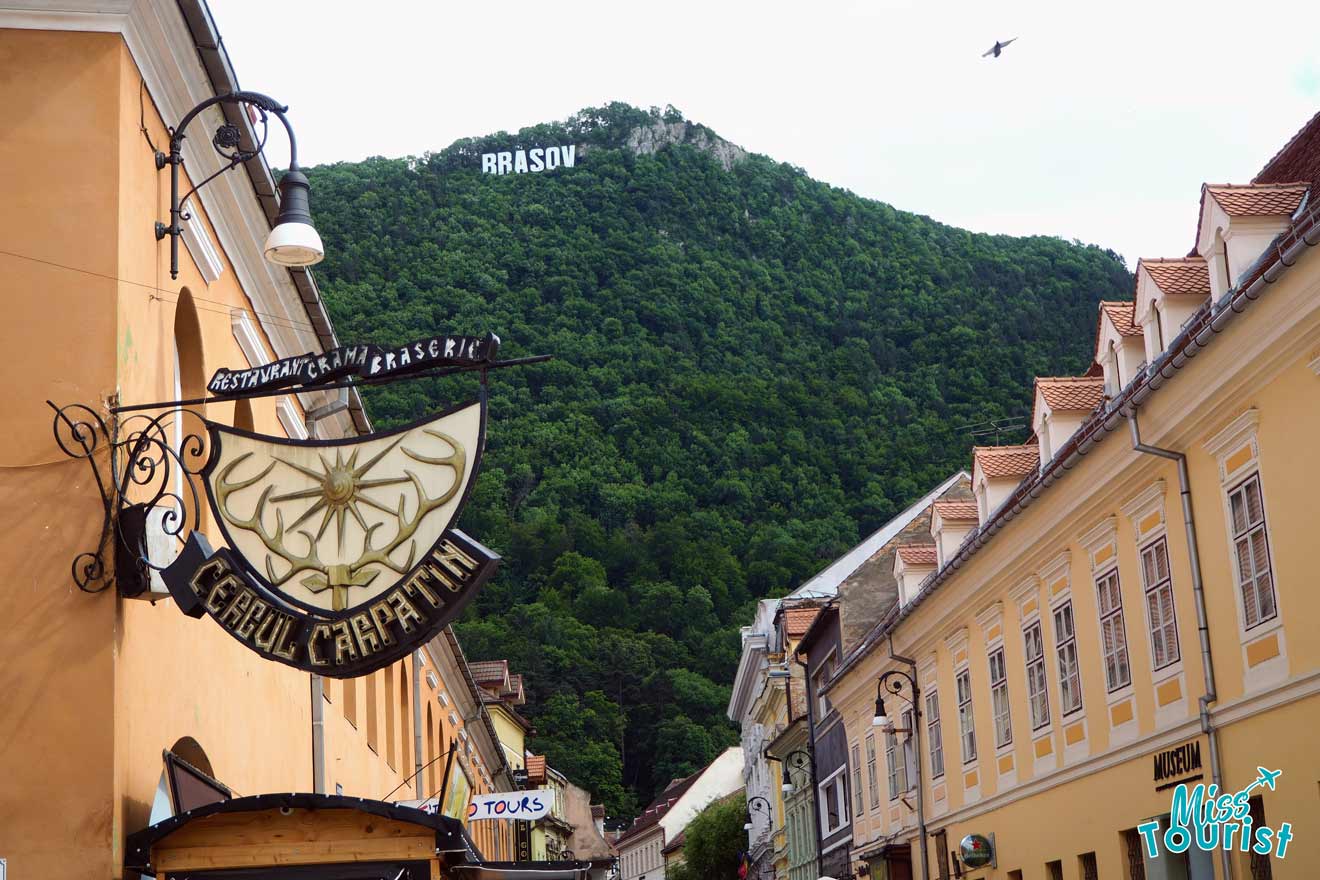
column 342, row 557
column 522, row 161
column 528, row 805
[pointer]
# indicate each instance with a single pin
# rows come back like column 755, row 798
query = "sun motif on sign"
column 341, row 490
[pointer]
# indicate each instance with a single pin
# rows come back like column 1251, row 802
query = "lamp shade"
column 294, row 241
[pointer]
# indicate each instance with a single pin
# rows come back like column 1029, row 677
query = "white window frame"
column 841, row 801
column 1247, row 532
column 1038, row 685
column 934, row 734
column 999, row 703
column 859, row 803
column 821, row 676
column 895, row 765
column 872, row 776
column 1155, row 590
column 1114, row 655
column 1065, row 652
column 966, row 721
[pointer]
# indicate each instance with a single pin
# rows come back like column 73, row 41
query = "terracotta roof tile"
column 1258, row 200
column 1071, row 393
column 798, row 620
column 490, row 672
column 1122, row 314
column 917, row 554
column 956, row 511
column 1299, row 159
column 1188, row 275
column 1007, row 461
column 651, row 815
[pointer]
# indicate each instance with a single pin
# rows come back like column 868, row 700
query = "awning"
column 448, row 833
column 574, row 870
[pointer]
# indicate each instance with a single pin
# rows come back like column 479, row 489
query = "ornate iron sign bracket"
column 145, row 468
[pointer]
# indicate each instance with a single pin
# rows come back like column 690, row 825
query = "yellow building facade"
column 97, row 686
column 1087, row 642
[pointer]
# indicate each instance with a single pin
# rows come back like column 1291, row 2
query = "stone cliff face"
column 649, row 139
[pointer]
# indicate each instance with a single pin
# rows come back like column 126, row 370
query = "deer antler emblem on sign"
column 341, row 522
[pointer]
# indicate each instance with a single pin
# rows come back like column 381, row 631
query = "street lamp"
column 892, row 680
column 293, row 241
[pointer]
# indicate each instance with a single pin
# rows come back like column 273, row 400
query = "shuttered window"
column 966, row 726
column 935, row 735
column 999, row 699
column 857, row 779
column 1070, row 683
column 1252, row 548
column 1158, row 584
column 1037, row 693
column 1113, row 638
column 872, row 779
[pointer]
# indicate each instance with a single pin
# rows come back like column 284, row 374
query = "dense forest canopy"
column 752, row 370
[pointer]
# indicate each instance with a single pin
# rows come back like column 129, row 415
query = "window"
column 896, row 765
column 942, row 854
column 1037, row 693
column 1251, row 545
column 873, row 784
column 1158, row 584
column 834, row 803
column 820, row 679
column 999, row 699
column 1054, row 870
column 858, row 806
column 934, row 734
column 1087, row 866
column 1113, row 638
column 1070, row 682
column 966, row 726
column 1132, row 847
column 1259, row 864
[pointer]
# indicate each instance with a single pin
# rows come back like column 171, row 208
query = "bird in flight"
column 997, row 48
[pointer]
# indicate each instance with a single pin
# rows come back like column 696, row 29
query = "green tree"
column 714, row 842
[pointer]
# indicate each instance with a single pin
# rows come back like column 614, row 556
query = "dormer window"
column 913, row 563
column 997, row 471
column 950, row 524
column 1238, row 223
column 1062, row 405
column 1168, row 294
column 1119, row 351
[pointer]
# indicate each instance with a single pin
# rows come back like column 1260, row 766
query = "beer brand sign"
column 342, row 556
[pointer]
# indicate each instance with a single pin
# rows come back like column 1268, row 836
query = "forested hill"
column 752, row 369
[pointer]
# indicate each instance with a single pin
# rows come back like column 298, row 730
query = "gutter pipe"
column 1202, row 619
column 811, row 753
column 1209, row 321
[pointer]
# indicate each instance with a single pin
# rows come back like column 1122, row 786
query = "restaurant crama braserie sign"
column 342, row 556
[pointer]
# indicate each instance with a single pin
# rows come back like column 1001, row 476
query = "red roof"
column 1007, row 461
column 917, row 554
column 535, row 766
column 956, row 511
column 798, row 620
column 1122, row 315
column 490, row 672
column 1071, row 393
column 1299, row 159
column 1187, row 275
column 1257, row 200
column 657, row 808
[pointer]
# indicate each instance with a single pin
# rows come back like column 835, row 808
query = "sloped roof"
column 1299, row 159
column 658, row 807
column 1122, row 315
column 1257, row 200
column 798, row 620
column 956, row 511
column 490, row 672
column 918, row 554
column 1071, row 393
column 1007, row 461
column 1173, row 277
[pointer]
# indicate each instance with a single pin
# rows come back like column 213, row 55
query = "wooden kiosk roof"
column 284, row 830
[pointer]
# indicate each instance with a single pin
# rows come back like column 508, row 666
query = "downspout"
column 417, row 722
column 916, row 735
column 811, row 766
column 1202, row 620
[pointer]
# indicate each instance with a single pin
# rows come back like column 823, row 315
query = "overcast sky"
column 1100, row 123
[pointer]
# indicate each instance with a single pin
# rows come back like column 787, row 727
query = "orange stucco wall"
column 95, row 687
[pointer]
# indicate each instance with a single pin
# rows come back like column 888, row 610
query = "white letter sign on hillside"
column 526, row 805
column 522, row 161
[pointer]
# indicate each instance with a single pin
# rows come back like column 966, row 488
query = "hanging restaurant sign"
column 367, row 361
column 342, row 555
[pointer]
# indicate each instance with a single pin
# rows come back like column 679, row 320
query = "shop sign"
column 527, row 805
column 1201, row 816
column 367, row 361
column 1178, row 764
column 977, row 850
column 342, row 556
